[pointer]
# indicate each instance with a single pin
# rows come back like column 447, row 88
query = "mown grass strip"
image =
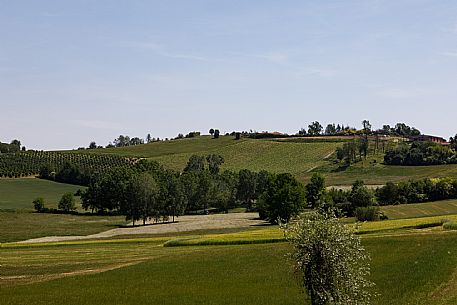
column 85, row 242
column 220, row 242
column 412, row 223
column 450, row 225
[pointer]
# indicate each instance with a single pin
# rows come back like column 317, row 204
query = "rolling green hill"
column 273, row 155
column 300, row 157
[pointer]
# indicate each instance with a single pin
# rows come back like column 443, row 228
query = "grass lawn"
column 209, row 275
column 21, row 225
column 414, row 269
column 409, row 269
column 400, row 224
column 19, row 193
column 437, row 208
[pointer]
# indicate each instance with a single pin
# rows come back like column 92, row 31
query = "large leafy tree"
column 16, row 144
column 315, row 190
column 172, row 194
column 189, row 182
column 214, row 163
column 143, row 194
column 247, row 186
column 453, row 141
column 284, row 199
column 330, row 260
column 225, row 195
column 195, row 164
column 109, row 191
column 216, row 133
column 205, row 191
column 315, row 128
column 360, row 195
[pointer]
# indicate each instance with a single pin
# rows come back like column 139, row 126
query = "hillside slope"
column 272, row 155
column 301, row 158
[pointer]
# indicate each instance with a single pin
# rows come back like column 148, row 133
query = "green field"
column 301, row 157
column 376, row 173
column 142, row 271
column 271, row 155
column 19, row 193
column 443, row 207
column 19, row 222
column 21, row 225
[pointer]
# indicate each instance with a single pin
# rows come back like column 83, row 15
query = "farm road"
column 183, row 224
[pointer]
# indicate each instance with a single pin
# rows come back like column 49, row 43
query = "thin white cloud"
column 97, row 124
column 451, row 54
column 160, row 50
column 322, row 72
column 275, row 57
column 50, row 14
column 397, row 93
column 183, row 56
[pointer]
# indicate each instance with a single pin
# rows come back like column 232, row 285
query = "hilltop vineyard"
column 22, row 164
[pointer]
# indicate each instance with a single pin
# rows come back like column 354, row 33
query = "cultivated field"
column 444, row 207
column 91, row 272
column 272, row 155
column 301, row 157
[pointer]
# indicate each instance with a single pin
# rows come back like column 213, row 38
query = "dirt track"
column 183, row 224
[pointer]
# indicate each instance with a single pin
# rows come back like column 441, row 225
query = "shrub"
column 67, row 202
column 370, row 213
column 450, row 225
column 38, row 204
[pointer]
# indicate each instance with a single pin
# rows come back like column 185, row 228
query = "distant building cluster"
column 429, row 138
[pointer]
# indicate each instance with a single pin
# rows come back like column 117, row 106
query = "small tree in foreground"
column 330, row 260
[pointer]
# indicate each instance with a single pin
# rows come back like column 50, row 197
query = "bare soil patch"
column 182, row 224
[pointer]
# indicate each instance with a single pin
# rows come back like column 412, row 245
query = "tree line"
column 421, row 153
column 332, row 129
column 416, row 191
column 147, row 191
column 14, row 146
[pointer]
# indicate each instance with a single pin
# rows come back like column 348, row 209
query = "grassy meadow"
column 19, row 193
column 22, row 225
column 19, row 222
column 437, row 208
column 407, row 269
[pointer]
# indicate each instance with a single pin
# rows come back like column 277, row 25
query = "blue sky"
column 76, row 71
